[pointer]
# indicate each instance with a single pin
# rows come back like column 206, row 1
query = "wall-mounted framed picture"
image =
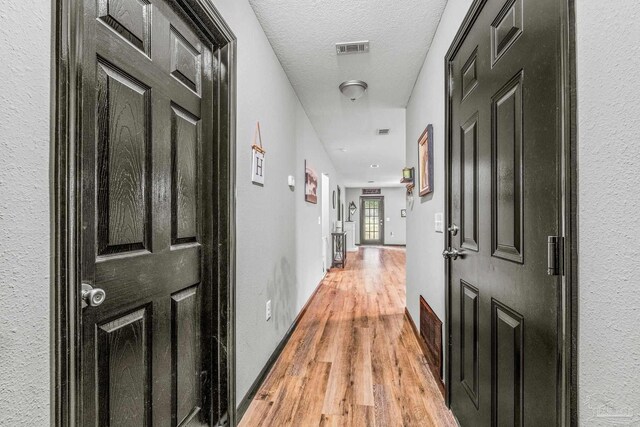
column 403, row 213
column 425, row 161
column 310, row 184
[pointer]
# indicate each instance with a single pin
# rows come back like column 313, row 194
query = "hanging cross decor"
column 257, row 155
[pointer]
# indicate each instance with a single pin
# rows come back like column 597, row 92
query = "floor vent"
column 352, row 47
column 431, row 333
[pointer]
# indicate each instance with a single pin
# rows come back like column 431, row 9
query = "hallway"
column 353, row 360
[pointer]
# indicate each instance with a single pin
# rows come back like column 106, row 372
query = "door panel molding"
column 507, row 366
column 469, row 170
column 66, row 131
column 469, row 325
column 567, row 185
column 507, row 172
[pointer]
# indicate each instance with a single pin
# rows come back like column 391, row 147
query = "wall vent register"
column 352, row 47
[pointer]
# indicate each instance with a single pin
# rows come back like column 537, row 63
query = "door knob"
column 452, row 254
column 92, row 297
column 453, row 230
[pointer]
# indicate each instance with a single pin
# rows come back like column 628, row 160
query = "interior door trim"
column 66, row 104
column 567, row 396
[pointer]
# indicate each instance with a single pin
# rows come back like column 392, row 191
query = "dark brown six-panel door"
column 147, row 156
column 504, row 165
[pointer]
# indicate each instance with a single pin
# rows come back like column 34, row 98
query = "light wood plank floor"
column 353, row 360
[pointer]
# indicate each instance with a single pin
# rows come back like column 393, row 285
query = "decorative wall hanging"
column 257, row 156
column 352, row 210
column 425, row 161
column 310, row 184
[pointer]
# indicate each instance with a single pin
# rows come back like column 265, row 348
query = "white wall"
column 425, row 269
column 265, row 215
column 395, row 199
column 24, row 213
column 279, row 249
column 608, row 60
column 308, row 228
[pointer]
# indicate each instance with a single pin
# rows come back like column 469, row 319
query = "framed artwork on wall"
column 425, row 161
column 310, row 184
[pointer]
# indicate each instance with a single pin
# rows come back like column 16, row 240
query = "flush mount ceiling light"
column 353, row 89
column 375, row 166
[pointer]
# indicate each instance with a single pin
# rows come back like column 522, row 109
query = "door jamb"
column 65, row 106
column 567, row 396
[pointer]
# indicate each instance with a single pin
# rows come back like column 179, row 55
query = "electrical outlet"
column 268, row 310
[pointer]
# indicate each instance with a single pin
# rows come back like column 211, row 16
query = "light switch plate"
column 438, row 224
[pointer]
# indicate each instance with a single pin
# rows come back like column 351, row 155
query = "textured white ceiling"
column 303, row 35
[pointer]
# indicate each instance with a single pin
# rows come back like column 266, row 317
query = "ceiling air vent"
column 383, row 131
column 352, row 47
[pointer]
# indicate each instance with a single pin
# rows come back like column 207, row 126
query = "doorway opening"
column 372, row 220
column 325, row 221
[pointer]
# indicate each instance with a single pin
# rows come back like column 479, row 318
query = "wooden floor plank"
column 353, row 360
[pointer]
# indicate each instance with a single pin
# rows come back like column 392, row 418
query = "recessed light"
column 343, row 149
column 375, row 166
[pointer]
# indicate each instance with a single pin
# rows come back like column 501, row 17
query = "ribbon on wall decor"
column 257, row 136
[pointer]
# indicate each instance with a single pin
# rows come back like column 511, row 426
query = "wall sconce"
column 407, row 175
column 407, row 178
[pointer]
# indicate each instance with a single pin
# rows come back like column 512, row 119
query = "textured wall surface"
column 303, row 35
column 425, row 269
column 395, row 199
column 24, row 213
column 278, row 235
column 309, row 268
column 608, row 59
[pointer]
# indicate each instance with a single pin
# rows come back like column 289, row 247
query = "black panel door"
column 372, row 221
column 147, row 129
column 505, row 144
